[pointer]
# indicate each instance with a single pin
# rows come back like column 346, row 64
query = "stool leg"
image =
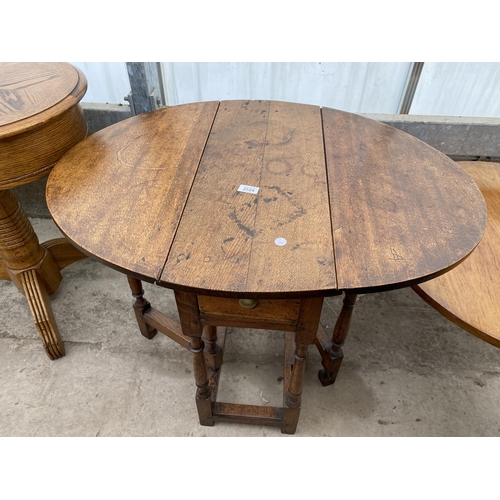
column 41, row 309
column 141, row 305
column 31, row 268
column 332, row 362
column 305, row 335
column 187, row 306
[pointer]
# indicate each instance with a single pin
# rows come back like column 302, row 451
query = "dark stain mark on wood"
column 181, row 257
column 299, row 210
column 240, row 225
column 287, row 138
column 279, row 190
column 11, row 100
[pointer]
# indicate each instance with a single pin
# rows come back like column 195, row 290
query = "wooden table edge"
column 263, row 295
column 455, row 319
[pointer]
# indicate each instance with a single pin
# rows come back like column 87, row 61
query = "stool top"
column 40, row 118
column 30, row 89
column 469, row 295
column 265, row 199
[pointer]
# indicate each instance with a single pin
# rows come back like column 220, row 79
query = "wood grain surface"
column 120, row 193
column 401, row 210
column 469, row 294
column 232, row 246
column 357, row 204
column 27, row 89
column 40, row 118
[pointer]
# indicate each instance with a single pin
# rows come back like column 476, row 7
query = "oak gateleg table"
column 253, row 212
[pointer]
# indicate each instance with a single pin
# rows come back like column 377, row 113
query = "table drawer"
column 268, row 314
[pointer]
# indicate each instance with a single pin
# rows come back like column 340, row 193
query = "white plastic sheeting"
column 458, row 89
column 107, row 81
column 445, row 89
column 356, row 87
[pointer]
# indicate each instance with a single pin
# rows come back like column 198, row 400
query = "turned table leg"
column 331, row 350
column 305, row 335
column 213, row 351
column 141, row 305
column 187, row 306
column 31, row 267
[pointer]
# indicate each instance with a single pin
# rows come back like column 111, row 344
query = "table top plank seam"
column 283, row 153
column 160, row 272
column 294, row 195
column 329, row 191
column 216, row 184
column 259, row 184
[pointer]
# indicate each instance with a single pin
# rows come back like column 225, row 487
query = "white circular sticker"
column 281, row 242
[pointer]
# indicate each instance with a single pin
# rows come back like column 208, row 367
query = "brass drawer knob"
column 248, row 303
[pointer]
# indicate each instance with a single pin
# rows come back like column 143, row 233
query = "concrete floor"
column 407, row 371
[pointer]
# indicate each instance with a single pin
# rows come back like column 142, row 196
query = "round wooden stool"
column 40, row 120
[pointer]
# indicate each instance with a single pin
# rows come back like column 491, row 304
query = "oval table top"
column 469, row 295
column 265, row 199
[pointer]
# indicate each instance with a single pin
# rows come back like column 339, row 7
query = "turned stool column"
column 40, row 120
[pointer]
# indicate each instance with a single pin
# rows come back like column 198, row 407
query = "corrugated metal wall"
column 446, row 89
